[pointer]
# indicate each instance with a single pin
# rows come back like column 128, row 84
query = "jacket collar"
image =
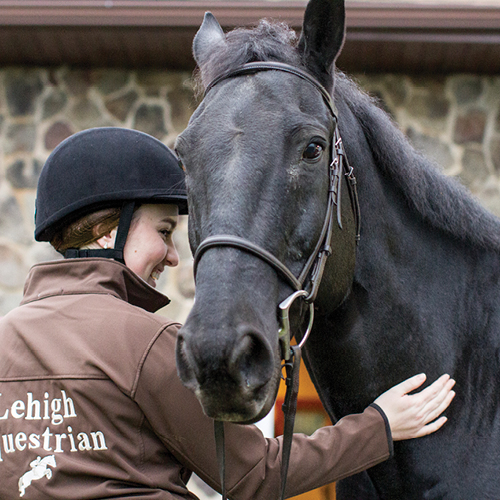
column 91, row 275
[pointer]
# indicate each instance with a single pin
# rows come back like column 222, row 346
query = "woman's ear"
column 107, row 240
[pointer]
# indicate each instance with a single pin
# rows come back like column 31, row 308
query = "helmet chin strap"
column 115, row 253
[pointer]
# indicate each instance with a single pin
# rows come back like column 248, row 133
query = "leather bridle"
column 306, row 284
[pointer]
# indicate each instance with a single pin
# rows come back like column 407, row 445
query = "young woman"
column 90, row 403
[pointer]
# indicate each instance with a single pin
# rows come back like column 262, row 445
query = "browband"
column 256, row 67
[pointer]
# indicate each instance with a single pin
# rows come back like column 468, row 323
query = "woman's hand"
column 413, row 416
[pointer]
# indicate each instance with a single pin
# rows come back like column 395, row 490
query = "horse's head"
column 257, row 159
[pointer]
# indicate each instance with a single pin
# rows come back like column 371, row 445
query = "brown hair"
column 86, row 230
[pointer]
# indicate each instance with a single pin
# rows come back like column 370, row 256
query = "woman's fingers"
column 416, row 415
column 432, row 422
column 432, row 427
column 410, row 384
column 441, row 402
column 436, row 388
column 434, row 399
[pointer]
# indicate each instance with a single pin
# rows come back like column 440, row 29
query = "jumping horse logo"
column 39, row 469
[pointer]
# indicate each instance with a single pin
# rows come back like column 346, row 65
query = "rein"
column 305, row 285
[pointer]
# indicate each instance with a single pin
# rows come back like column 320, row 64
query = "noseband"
column 306, row 284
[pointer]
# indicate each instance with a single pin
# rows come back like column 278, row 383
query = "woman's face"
column 149, row 247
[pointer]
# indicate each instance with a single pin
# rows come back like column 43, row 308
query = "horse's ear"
column 208, row 37
column 322, row 37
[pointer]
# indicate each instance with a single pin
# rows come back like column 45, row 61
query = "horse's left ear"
column 322, row 37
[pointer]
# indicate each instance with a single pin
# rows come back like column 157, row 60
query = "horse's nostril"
column 252, row 360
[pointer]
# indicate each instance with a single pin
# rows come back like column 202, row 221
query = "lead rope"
column 221, row 454
column 289, row 408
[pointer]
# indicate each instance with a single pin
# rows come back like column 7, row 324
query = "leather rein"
column 305, row 285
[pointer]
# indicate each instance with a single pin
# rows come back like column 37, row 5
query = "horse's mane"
column 439, row 199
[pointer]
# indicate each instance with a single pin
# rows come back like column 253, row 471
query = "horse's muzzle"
column 234, row 376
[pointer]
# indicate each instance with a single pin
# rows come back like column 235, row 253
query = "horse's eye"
column 179, row 161
column 313, row 151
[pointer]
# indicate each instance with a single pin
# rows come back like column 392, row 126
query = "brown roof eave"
column 381, row 36
column 189, row 13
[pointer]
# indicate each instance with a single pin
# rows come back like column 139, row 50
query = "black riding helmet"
column 101, row 168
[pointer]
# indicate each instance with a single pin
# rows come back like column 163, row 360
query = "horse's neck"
column 417, row 293
column 400, row 251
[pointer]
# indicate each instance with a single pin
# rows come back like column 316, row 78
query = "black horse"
column 424, row 295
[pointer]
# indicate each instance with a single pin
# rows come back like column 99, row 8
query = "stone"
column 181, row 107
column 78, row 81
column 432, row 148
column 434, row 83
column 470, row 127
column 42, row 251
column 397, row 89
column 108, row 81
column 490, row 198
column 429, row 105
column 150, row 119
column 25, row 201
column 474, row 169
column 158, row 78
column 13, row 270
column 53, row 103
column 497, row 121
column 121, row 106
column 19, row 138
column 495, row 153
column 56, row 133
column 12, row 225
column 53, row 76
column 85, row 114
column 9, row 301
column 23, row 174
column 185, row 281
column 181, row 239
column 467, row 88
column 22, row 88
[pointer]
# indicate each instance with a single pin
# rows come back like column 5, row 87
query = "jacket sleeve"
column 253, row 462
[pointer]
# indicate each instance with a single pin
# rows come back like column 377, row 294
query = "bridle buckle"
column 285, row 332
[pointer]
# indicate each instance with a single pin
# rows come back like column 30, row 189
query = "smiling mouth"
column 155, row 275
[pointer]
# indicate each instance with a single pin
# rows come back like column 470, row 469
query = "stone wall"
column 454, row 120
column 41, row 107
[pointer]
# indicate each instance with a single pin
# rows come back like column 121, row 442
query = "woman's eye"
column 313, row 151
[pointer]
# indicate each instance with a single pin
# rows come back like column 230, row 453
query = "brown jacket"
column 91, row 405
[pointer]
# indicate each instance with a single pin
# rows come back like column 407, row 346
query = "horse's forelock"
column 268, row 41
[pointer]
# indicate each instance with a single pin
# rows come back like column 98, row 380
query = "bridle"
column 306, row 284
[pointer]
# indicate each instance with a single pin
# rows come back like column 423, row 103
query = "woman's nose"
column 172, row 257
